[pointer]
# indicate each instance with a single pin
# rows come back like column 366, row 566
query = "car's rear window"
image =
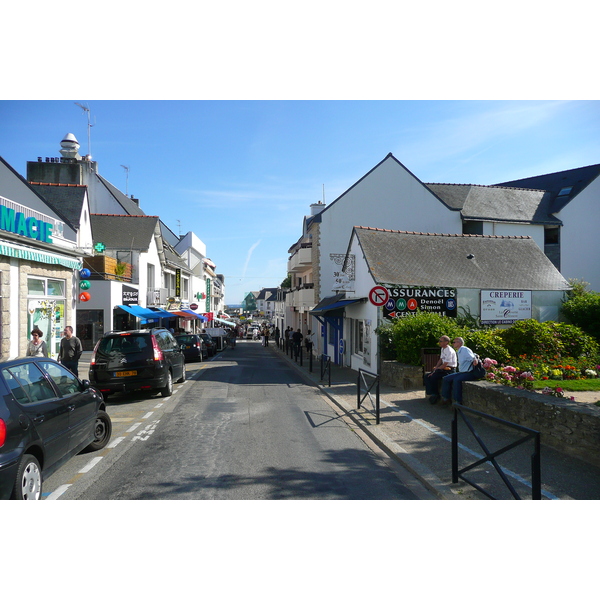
column 125, row 344
column 186, row 339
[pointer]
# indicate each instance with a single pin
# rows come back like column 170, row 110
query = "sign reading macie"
column 17, row 222
column 503, row 307
column 406, row 301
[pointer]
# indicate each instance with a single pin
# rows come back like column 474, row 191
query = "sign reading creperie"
column 406, row 301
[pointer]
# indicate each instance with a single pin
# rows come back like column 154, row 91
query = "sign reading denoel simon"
column 406, row 301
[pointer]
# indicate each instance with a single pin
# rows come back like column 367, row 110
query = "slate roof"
column 130, row 207
column 440, row 260
column 493, row 203
column 267, row 294
column 67, row 198
column 553, row 183
column 123, row 232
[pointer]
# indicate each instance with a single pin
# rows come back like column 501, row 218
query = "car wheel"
column 168, row 389
column 28, row 483
column 102, row 431
column 182, row 378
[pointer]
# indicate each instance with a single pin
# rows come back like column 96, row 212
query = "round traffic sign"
column 379, row 295
column 342, row 346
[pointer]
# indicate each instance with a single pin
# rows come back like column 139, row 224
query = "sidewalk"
column 418, row 435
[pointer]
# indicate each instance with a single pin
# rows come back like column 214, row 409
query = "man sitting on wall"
column 445, row 365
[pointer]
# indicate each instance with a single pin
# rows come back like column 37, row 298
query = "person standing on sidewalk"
column 445, row 366
column 452, row 384
column 37, row 346
column 70, row 351
column 297, row 341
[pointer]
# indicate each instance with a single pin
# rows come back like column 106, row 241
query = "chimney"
column 316, row 208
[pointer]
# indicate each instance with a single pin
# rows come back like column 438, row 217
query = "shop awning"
column 189, row 314
column 25, row 253
column 333, row 303
column 224, row 321
column 138, row 311
column 161, row 314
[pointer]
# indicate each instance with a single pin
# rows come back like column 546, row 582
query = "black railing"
column 326, row 367
column 490, row 457
column 359, row 388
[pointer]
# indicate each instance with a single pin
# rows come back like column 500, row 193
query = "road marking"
column 115, row 442
column 147, row 432
column 159, row 405
column 59, row 491
column 148, row 415
column 133, row 427
column 91, row 464
column 477, row 455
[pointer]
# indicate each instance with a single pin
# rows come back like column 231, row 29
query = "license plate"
column 125, row 373
column 187, row 347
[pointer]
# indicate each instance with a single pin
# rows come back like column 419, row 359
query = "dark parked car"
column 144, row 359
column 193, row 346
column 211, row 345
column 47, row 415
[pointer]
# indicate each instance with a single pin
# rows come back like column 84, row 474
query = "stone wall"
column 563, row 424
column 406, row 377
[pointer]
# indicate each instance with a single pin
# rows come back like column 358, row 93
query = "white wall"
column 579, row 235
column 389, row 197
column 536, row 232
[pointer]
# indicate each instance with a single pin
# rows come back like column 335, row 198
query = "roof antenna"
column 89, row 126
column 179, row 227
column 126, row 179
column 323, row 193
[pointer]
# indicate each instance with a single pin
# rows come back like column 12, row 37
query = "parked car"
column 193, row 346
column 250, row 333
column 211, row 345
column 144, row 359
column 47, row 415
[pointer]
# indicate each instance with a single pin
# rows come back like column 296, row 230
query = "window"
column 565, row 191
column 359, row 337
column 65, row 381
column 28, row 384
column 551, row 235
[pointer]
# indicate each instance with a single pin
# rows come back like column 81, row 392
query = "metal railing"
column 359, row 387
column 326, row 367
column 490, row 457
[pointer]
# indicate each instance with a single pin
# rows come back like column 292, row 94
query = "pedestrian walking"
column 70, row 351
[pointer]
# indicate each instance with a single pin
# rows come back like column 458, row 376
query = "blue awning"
column 333, row 304
column 136, row 310
column 224, row 321
column 191, row 312
column 162, row 314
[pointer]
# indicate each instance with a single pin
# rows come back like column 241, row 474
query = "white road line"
column 147, row 415
column 158, row 405
column 91, row 464
column 58, row 492
column 133, row 427
column 437, row 432
column 115, row 442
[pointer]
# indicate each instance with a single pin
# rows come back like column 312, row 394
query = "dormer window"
column 565, row 191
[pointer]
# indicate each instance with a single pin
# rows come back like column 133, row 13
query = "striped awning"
column 35, row 255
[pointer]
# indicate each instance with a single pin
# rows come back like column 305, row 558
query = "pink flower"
column 559, row 390
column 509, row 369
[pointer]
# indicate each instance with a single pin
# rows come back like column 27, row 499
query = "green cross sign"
column 99, row 247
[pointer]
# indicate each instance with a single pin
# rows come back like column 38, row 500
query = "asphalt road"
column 244, row 426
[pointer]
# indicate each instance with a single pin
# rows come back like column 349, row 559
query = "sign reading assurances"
column 406, row 301
column 503, row 307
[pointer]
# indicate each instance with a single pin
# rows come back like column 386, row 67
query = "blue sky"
column 242, row 174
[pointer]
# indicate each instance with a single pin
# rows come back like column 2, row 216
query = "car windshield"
column 125, row 344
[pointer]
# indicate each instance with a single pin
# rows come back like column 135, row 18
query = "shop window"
column 359, row 337
column 36, row 287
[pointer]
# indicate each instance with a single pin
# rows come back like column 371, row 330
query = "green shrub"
column 532, row 338
column 403, row 339
column 583, row 310
column 487, row 343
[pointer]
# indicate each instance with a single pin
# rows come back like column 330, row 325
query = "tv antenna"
column 86, row 109
column 179, row 227
column 126, row 179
